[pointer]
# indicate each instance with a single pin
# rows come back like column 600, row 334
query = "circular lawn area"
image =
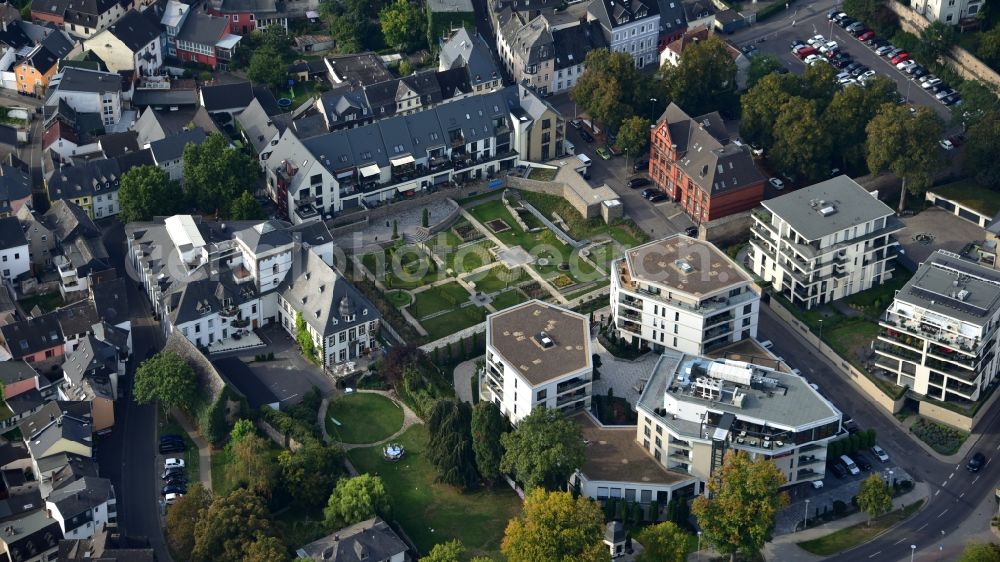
column 399, row 298
column 364, row 418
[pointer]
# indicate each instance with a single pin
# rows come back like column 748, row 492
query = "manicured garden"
column 496, row 279
column 508, row 299
column 439, row 298
column 399, row 298
column 454, row 321
column 942, row 438
column 402, row 267
column 363, row 417
column 431, row 512
column 514, row 235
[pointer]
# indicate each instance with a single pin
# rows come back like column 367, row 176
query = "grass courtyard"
column 454, row 321
column 402, row 267
column 431, row 512
column 508, row 299
column 439, row 298
column 364, row 418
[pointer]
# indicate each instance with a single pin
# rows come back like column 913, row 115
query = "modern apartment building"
column 939, row 335
column 824, row 242
column 537, row 354
column 694, row 410
column 682, row 293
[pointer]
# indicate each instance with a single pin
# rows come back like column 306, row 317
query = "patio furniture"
column 393, row 452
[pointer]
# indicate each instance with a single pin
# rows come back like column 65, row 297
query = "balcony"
column 570, row 398
column 572, row 384
column 896, row 351
column 630, row 326
column 629, row 314
column 718, row 331
column 718, row 318
column 944, row 335
column 807, row 460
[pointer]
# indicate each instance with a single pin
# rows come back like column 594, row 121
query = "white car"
column 767, row 344
column 817, row 484
column 846, row 81
column 170, row 499
column 776, row 183
column 814, row 386
column 173, row 463
column 905, row 64
column 868, row 75
column 880, row 453
column 829, row 46
column 930, row 83
column 811, row 59
column 816, row 41
column 946, row 144
column 843, row 75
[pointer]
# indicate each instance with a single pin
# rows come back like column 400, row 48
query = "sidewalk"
column 785, row 549
column 204, row 449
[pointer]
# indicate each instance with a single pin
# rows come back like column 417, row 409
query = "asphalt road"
column 127, row 455
column 955, row 493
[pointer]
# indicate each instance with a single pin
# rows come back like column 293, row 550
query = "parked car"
column 844, row 22
column 653, row 194
column 834, row 14
column 776, row 183
column 900, row 58
column 893, row 53
column 805, row 52
column 796, row 43
column 170, row 437
column 977, row 462
column 817, row 484
column 953, row 99
column 637, row 182
column 930, row 82
column 881, row 51
column 816, row 40
column 170, row 499
column 829, row 46
column 918, row 71
column 859, row 71
column 862, row 462
column 173, row 463
column 913, row 68
column 866, row 35
column 691, row 231
column 944, row 93
column 577, row 124
column 614, row 150
column 841, row 62
column 858, row 31
column 904, row 64
column 946, row 144
column 767, row 344
column 587, row 137
column 866, row 76
column 171, row 472
column 880, row 453
column 838, row 471
column 855, row 27
column 173, row 489
column 640, row 165
column 850, row 68
column 812, row 58
column 603, row 153
column 172, row 447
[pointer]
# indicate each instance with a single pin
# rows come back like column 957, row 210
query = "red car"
column 803, row 53
column 866, row 36
column 900, row 58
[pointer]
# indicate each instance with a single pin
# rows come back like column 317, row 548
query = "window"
column 316, row 179
column 541, row 395
column 659, row 430
column 747, row 309
column 646, row 431
column 746, row 321
column 236, row 17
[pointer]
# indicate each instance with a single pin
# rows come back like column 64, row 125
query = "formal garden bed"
column 942, row 438
column 399, row 298
column 508, row 299
column 363, row 417
column 454, row 321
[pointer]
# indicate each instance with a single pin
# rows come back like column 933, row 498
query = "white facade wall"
column 639, row 39
column 948, row 11
column 519, row 397
column 8, row 79
column 14, row 261
column 100, row 515
column 108, row 104
column 106, row 204
column 118, row 57
column 103, row 22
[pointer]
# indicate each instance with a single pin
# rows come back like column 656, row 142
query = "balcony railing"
column 896, row 351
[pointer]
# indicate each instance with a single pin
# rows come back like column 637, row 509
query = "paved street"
column 955, row 493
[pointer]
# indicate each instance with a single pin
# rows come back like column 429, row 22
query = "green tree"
column 555, row 526
column 147, row 191
column 450, row 447
column 801, row 146
column 451, row 551
column 252, row 465
column 228, row 526
column 305, row 340
column 544, row 450
column 738, row 514
column 937, row 39
column 246, row 208
column 266, row 67
column 846, row 119
column 633, row 136
column 704, row 80
column 905, row 145
column 215, row 173
column 665, row 542
column 402, row 25
column 980, row 159
column 978, row 101
column 241, row 429
column 611, row 89
column 266, row 549
column 980, row 552
column 168, row 379
column 874, row 497
column 405, row 69
column 760, row 66
column 486, row 428
column 182, row 518
column 356, row 499
column 310, row 473
column 762, row 104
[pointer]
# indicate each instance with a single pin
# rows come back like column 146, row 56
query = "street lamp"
column 652, row 108
column 805, row 516
column 913, row 550
column 820, row 333
column 699, row 546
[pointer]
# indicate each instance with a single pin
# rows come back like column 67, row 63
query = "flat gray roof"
column 686, row 264
column 515, row 334
column 851, row 204
column 613, row 454
column 954, row 287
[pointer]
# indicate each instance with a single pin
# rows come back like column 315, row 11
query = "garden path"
column 409, row 420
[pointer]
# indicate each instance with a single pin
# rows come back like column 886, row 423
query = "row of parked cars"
column 899, row 58
column 174, row 474
column 853, row 465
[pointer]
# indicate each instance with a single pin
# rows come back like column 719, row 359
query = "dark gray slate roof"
column 117, row 144
column 573, row 43
column 30, row 336
column 203, row 29
column 77, row 318
column 67, row 220
column 14, row 371
column 14, row 184
column 266, row 235
column 79, row 80
column 25, row 402
column 672, row 16
column 135, row 30
column 11, row 234
column 609, row 12
column 172, row 147
column 322, row 295
column 110, row 300
column 368, row 540
column 227, row 96
column 246, row 382
column 57, row 420
column 81, row 496
column 464, row 51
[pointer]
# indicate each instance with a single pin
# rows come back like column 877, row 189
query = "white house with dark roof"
column 168, row 153
column 630, row 26
column 14, row 257
column 83, row 507
column 462, row 50
column 537, row 355
column 372, row 539
column 88, row 91
column 132, row 43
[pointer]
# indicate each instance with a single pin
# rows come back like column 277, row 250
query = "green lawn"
column 5, row 411
column 432, row 513
column 849, row 537
column 542, row 174
column 192, row 461
column 873, row 302
column 436, row 299
column 491, row 210
column 849, row 336
column 971, row 194
column 364, row 418
column 579, row 227
column 469, row 257
column 454, row 321
column 508, row 299
column 414, row 269
column 47, row 302
column 496, row 279
column 399, row 298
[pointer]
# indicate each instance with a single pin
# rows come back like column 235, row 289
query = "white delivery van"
column 849, row 464
column 584, row 159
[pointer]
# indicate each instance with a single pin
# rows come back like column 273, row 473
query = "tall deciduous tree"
column 451, row 551
column 544, row 450
column 450, row 448
column 801, row 146
column 216, row 173
column 937, row 39
column 665, row 542
column 705, row 79
column 487, row 426
column 762, row 104
column 356, row 499
column 246, row 208
column 266, row 67
column 981, row 160
column 743, row 500
column 848, row 115
column 147, row 191
column 905, row 145
column 633, row 136
column 168, row 379
column 182, row 518
column 310, row 473
column 555, row 526
column 229, row 525
column 760, row 66
column 874, row 497
column 402, row 25
column 266, row 549
column 611, row 89
column 252, row 465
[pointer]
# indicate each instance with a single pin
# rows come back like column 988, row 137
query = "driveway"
column 289, row 373
column 936, row 229
column 462, row 379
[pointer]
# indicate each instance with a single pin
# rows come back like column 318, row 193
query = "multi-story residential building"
column 673, row 21
column 168, row 153
column 247, row 16
column 372, row 539
column 174, row 15
column 697, row 165
column 695, row 409
column 83, row 507
column 537, row 355
column 630, row 26
column 682, row 293
column 221, row 279
column 130, row 44
column 462, row 140
column 35, row 70
column 14, row 256
column 206, row 39
column 93, row 186
column 950, row 12
column 88, row 91
column 571, row 45
column 86, row 18
column 471, row 53
column 939, row 336
column 539, row 129
column 824, row 242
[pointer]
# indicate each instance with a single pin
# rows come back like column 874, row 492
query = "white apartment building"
column 630, row 26
column 682, row 293
column 83, row 507
column 948, row 11
column 939, row 335
column 694, row 410
column 88, row 91
column 537, row 354
column 15, row 258
column 824, row 242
